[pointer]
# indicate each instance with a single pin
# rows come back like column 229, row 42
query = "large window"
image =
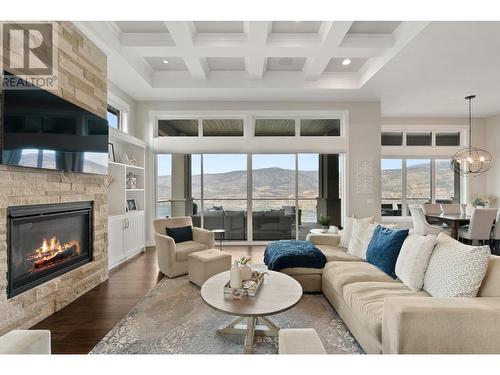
column 164, row 185
column 418, row 181
column 392, row 187
column 261, row 197
column 408, row 182
column 273, row 197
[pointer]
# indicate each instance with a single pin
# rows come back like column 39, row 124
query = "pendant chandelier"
column 471, row 161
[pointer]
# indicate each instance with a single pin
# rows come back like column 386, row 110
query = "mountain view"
column 267, row 182
column 418, row 181
column 278, row 183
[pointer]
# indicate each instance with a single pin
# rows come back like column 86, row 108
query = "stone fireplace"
column 26, row 299
column 46, row 241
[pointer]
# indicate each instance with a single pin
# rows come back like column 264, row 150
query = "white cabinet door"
column 134, row 233
column 115, row 240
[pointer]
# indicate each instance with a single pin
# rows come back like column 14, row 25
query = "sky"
column 216, row 163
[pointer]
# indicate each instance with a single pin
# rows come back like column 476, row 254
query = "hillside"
column 267, row 182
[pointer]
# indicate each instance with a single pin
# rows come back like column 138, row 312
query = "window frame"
column 404, row 181
column 115, row 111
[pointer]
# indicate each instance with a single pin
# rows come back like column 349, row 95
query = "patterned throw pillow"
column 414, row 258
column 360, row 238
column 345, row 235
column 455, row 269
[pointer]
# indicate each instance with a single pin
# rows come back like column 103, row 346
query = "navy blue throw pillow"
column 180, row 234
column 384, row 248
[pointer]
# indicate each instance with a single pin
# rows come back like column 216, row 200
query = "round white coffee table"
column 278, row 293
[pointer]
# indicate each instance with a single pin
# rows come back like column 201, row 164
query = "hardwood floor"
column 78, row 327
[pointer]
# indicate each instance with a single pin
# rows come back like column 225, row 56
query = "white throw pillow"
column 345, row 234
column 455, row 269
column 361, row 235
column 413, row 259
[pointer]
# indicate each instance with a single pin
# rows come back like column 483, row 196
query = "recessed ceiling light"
column 346, row 62
column 165, row 61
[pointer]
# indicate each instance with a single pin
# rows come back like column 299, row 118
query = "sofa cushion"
column 455, row 269
column 491, row 282
column 345, row 234
column 360, row 238
column 340, row 274
column 414, row 258
column 183, row 249
column 337, row 253
column 384, row 248
column 366, row 300
column 302, row 271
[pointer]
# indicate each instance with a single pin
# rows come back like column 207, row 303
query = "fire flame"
column 52, row 252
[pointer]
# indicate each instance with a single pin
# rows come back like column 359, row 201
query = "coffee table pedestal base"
column 255, row 326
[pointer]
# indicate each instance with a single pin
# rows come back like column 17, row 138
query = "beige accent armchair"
column 172, row 257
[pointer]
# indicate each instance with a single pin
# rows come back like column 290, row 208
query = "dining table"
column 454, row 221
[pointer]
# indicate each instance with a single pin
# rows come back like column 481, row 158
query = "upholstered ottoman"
column 202, row 265
column 300, row 341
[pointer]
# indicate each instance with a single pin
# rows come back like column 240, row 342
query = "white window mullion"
column 404, row 207
column 296, row 196
column 433, row 181
column 249, row 199
column 202, row 203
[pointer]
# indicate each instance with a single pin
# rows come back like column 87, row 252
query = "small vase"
column 246, row 272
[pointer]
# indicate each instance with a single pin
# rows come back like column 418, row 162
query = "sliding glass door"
column 273, row 197
column 225, row 194
column 260, row 197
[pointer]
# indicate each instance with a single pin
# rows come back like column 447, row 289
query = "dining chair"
column 431, row 209
column 495, row 234
column 420, row 224
column 450, row 209
column 479, row 228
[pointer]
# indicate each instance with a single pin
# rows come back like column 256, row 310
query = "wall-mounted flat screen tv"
column 42, row 130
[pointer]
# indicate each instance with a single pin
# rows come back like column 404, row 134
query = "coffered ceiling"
column 249, row 55
column 412, row 68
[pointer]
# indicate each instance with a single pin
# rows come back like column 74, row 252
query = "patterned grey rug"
column 173, row 319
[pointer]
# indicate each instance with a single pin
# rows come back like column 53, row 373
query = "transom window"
column 421, row 138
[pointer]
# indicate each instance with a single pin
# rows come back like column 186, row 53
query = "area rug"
column 173, row 319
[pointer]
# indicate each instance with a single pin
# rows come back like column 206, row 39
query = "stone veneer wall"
column 82, row 74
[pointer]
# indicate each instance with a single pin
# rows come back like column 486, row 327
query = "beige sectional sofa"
column 387, row 317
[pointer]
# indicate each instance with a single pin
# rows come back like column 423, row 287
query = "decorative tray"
column 249, row 288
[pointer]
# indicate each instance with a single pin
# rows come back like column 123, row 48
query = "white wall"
column 126, row 105
column 492, row 143
column 363, row 142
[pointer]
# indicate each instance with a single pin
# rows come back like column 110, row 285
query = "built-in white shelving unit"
column 126, row 228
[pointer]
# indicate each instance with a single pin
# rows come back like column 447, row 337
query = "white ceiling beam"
column 241, row 50
column 403, row 35
column 257, row 32
column 239, row 79
column 182, row 34
column 146, row 39
column 332, row 33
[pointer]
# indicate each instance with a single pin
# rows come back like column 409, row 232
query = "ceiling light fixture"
column 165, row 61
column 471, row 161
column 346, row 62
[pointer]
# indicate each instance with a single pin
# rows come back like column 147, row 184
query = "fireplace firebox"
column 46, row 241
